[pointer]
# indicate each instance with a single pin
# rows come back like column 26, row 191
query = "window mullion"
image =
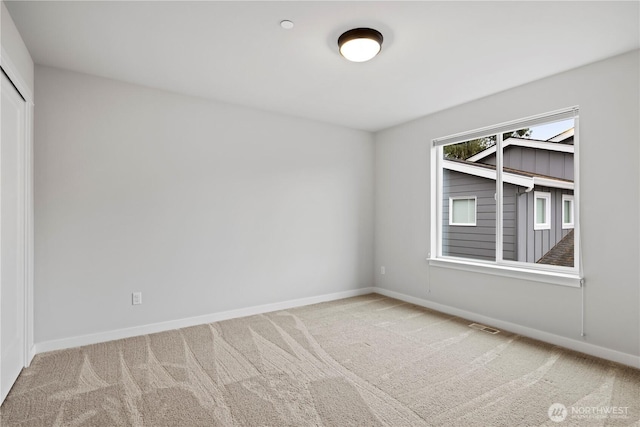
column 499, row 196
column 439, row 201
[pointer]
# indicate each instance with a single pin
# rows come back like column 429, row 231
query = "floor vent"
column 484, row 328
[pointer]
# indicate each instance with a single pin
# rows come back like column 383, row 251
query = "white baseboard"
column 191, row 321
column 30, row 355
column 583, row 347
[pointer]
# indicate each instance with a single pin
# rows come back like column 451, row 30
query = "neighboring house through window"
column 505, row 195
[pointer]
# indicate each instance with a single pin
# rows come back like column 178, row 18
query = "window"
column 504, row 199
column 462, row 211
column 542, row 211
column 567, row 211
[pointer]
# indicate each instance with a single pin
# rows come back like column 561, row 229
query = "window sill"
column 544, row 276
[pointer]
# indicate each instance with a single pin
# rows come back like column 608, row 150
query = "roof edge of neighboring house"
column 512, row 176
column 527, row 143
column 562, row 136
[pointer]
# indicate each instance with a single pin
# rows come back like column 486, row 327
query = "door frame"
column 26, row 170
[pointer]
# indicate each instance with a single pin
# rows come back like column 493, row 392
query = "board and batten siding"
column 532, row 160
column 539, row 242
column 479, row 241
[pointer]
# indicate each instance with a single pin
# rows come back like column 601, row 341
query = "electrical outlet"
column 136, row 298
column 382, row 271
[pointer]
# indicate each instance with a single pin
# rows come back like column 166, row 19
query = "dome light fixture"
column 360, row 44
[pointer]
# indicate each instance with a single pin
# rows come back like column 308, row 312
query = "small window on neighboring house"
column 542, row 211
column 462, row 211
column 567, row 211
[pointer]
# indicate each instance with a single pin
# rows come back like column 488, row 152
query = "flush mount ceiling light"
column 360, row 44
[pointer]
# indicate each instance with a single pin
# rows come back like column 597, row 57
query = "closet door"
column 12, row 249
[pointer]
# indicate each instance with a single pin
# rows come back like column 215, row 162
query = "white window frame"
column 475, row 210
column 568, row 198
column 558, row 275
column 543, row 195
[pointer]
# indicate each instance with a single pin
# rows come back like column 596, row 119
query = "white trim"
column 192, row 321
column 28, row 234
column 14, row 75
column 527, row 143
column 555, row 183
column 31, row 354
column 568, row 198
column 499, row 197
column 27, row 203
column 542, row 195
column 435, row 200
column 570, row 343
column 577, row 237
column 581, row 346
column 469, row 169
column 485, row 153
column 475, row 211
column 517, row 270
column 483, row 172
column 513, row 125
column 562, row 136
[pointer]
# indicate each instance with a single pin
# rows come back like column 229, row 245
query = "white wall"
column 607, row 93
column 204, row 207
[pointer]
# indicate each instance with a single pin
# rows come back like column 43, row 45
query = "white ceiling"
column 435, row 55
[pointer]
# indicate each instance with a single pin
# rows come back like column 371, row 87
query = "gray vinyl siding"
column 479, row 241
column 543, row 162
column 520, row 241
column 533, row 244
column 509, row 222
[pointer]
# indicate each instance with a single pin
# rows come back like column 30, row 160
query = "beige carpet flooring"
column 364, row 361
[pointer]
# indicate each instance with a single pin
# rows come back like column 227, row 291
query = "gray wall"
column 204, row 207
column 607, row 93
